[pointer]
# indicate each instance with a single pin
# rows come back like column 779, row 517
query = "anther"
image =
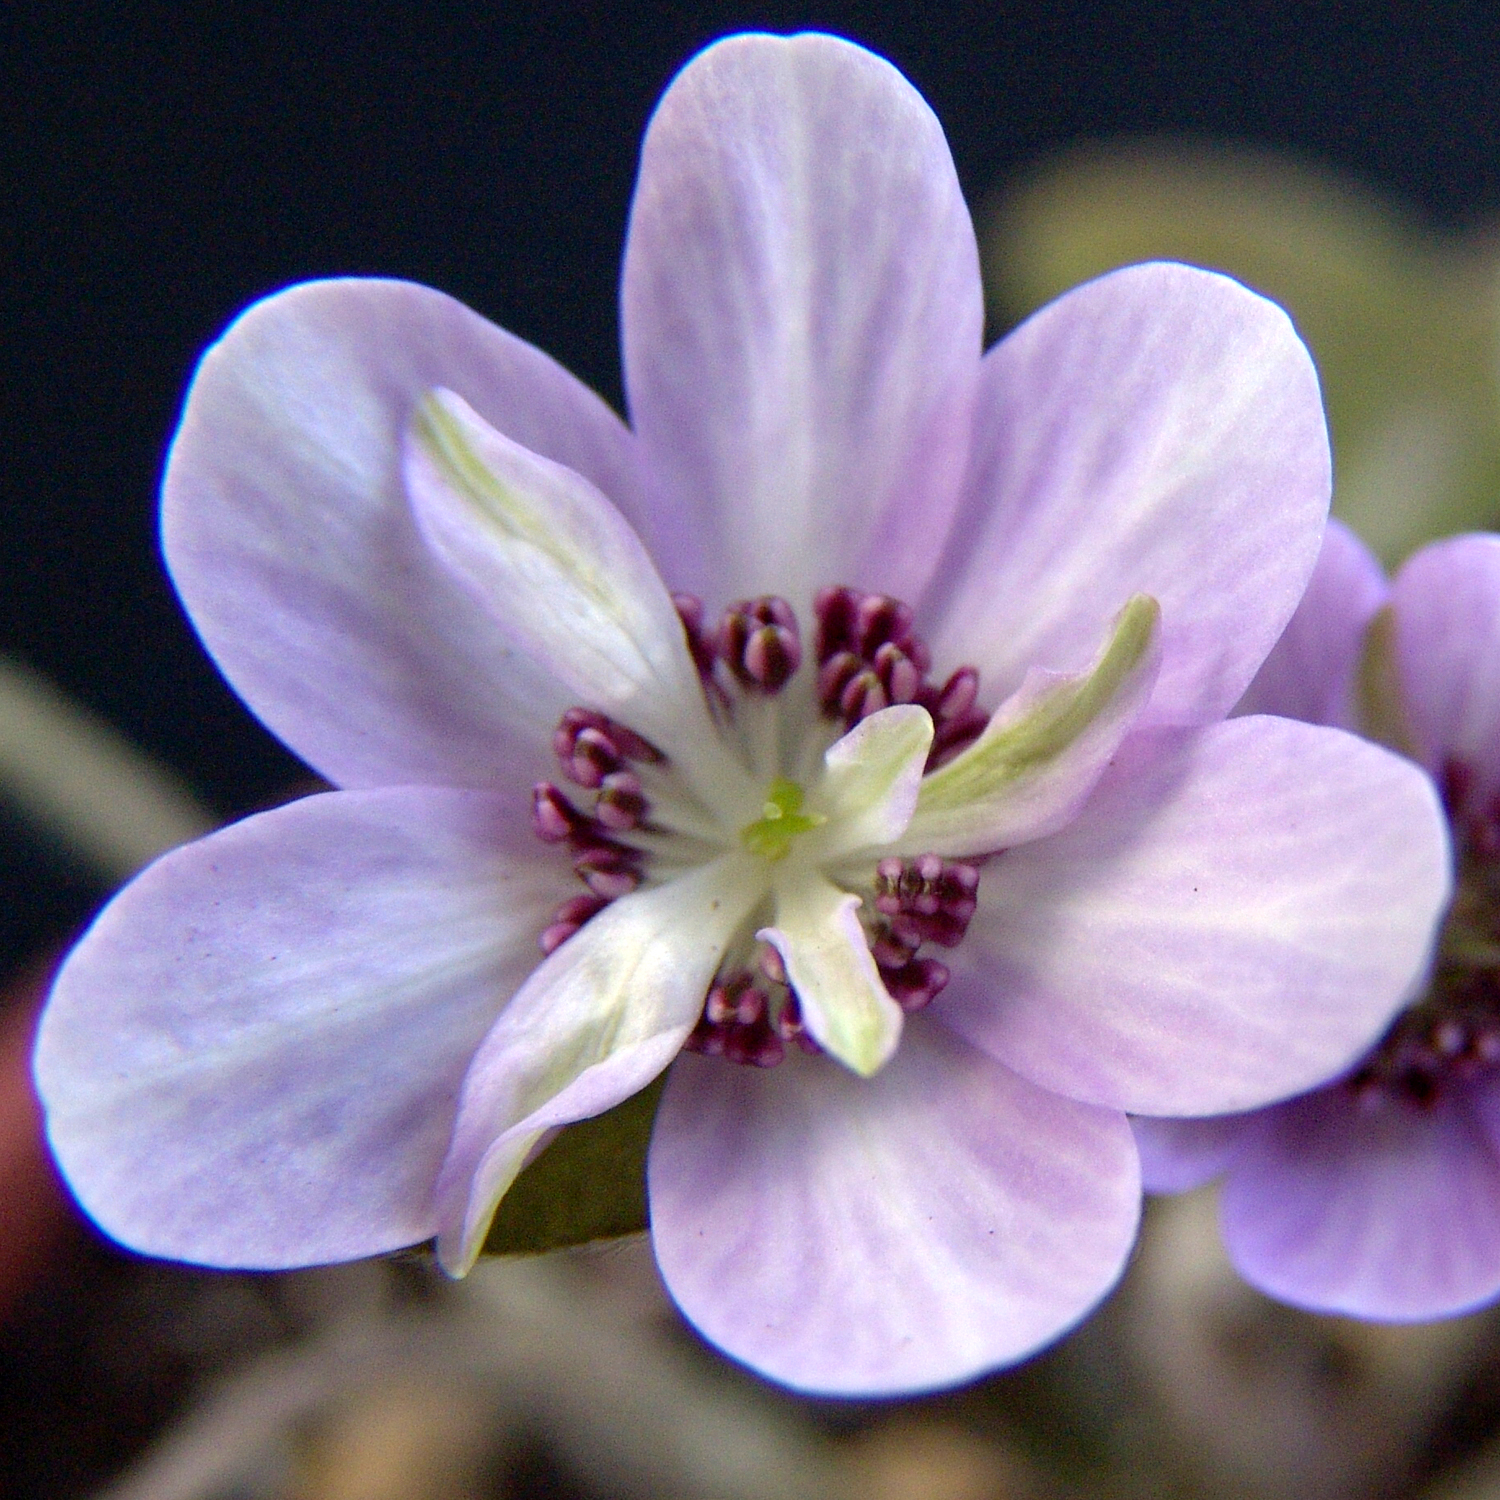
column 591, row 745
column 771, row 963
column 788, row 1023
column 863, row 695
column 553, row 816
column 621, row 802
column 956, row 696
column 878, row 619
column 771, row 658
column 947, row 927
column 594, row 756
column 834, row 611
column 758, row 641
column 916, row 983
column 1477, row 827
column 758, row 1047
column 568, row 918
column 735, row 1001
column 608, row 870
column 700, row 643
column 953, row 736
column 889, row 952
column 923, row 900
column 835, row 674
column 1449, row 1039
column 897, row 672
column 866, row 640
column 751, row 1019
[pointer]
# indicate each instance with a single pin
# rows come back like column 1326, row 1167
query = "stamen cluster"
column 868, row 659
column 596, row 754
column 751, row 1016
column 1452, row 1034
column 756, row 645
column 922, row 900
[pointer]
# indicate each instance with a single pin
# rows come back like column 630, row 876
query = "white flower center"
column 824, row 765
column 806, row 798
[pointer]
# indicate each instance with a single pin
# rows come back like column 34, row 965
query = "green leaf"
column 589, row 1184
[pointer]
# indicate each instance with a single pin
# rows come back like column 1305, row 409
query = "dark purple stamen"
column 897, row 673
column 751, row 1018
column 568, row 918
column 1475, row 824
column 863, row 695
column 1452, row 1035
column 868, row 659
column 928, row 895
column 923, row 900
column 621, row 803
column 553, row 816
column 737, row 1023
column 916, row 983
column 591, row 746
column 956, row 721
column 773, row 966
column 699, row 639
column 596, row 754
column 609, row 870
column 758, row 641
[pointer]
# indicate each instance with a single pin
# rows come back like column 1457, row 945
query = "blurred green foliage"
column 1404, row 324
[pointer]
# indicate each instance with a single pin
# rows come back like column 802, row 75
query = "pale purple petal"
column 802, row 322
column 1384, row 1211
column 873, row 1236
column 1157, row 431
column 1177, row 1155
column 592, row 1026
column 1447, row 603
column 1235, row 915
column 286, row 527
column 1310, row 674
column 253, row 1057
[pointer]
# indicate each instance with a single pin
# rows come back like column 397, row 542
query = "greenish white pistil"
column 780, row 821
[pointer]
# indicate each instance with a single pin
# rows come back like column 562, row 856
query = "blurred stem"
column 79, row 781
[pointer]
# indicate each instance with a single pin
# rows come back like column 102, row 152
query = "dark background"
column 162, row 166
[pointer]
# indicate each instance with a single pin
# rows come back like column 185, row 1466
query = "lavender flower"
column 744, row 820
column 1379, row 1194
